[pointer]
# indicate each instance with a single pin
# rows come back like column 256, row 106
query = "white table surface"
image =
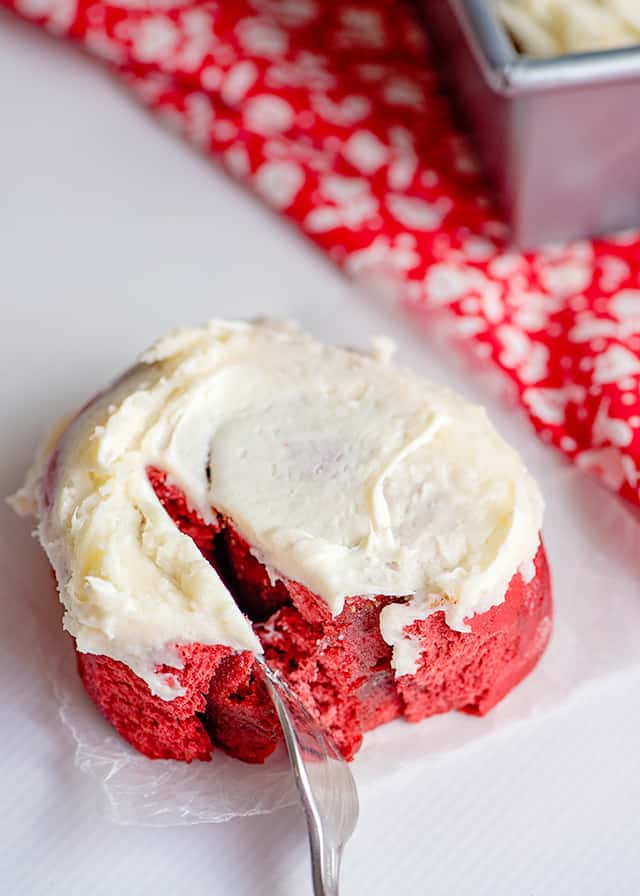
column 111, row 231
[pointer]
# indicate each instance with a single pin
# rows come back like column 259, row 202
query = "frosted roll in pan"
column 555, row 134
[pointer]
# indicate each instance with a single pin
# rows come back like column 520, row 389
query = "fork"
column 325, row 784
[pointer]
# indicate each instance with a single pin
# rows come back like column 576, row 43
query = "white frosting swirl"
column 343, row 472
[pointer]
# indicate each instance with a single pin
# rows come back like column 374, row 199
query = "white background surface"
column 111, row 231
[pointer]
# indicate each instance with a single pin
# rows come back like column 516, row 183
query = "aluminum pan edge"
column 510, row 74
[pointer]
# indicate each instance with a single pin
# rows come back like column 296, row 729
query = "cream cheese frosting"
column 343, row 472
column 554, row 27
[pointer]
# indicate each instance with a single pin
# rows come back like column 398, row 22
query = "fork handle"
column 325, row 860
column 325, row 864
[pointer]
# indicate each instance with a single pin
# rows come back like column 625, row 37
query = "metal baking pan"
column 560, row 138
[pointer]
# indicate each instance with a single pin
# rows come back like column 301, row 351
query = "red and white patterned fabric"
column 331, row 111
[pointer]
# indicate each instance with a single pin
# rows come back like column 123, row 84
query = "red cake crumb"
column 240, row 716
column 158, row 728
column 474, row 671
column 250, row 585
column 187, row 520
column 340, row 667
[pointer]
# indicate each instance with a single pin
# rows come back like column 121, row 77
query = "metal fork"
column 325, row 784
